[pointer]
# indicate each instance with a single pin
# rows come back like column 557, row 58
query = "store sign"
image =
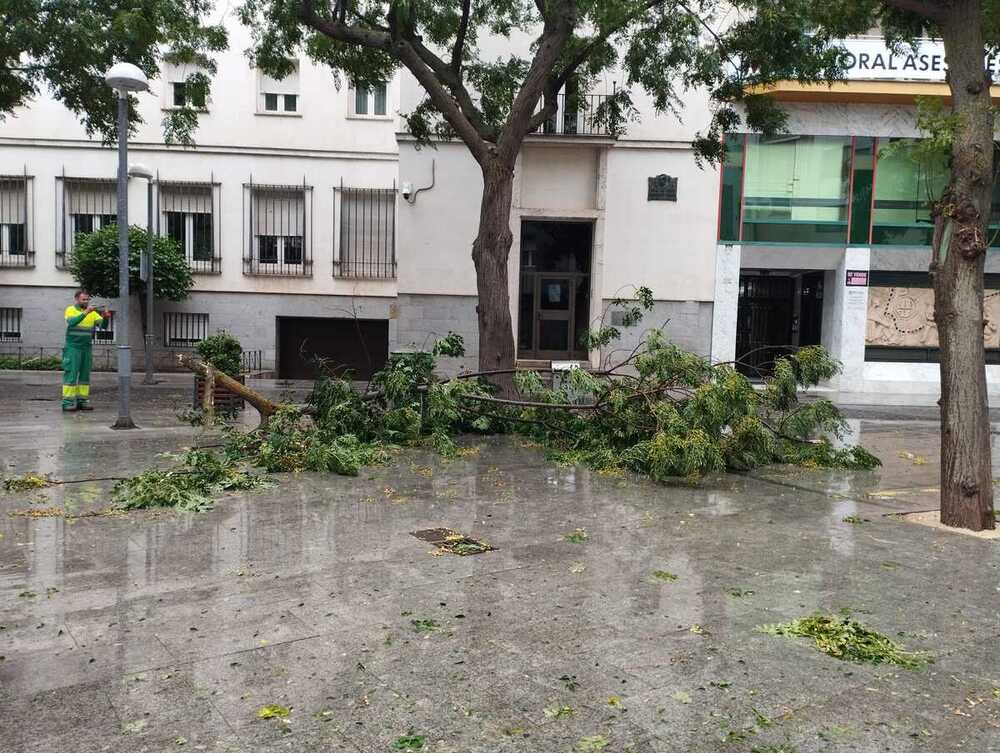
column 871, row 60
column 857, row 278
column 661, row 188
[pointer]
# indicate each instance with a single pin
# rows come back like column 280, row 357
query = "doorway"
column 776, row 315
column 354, row 348
column 554, row 297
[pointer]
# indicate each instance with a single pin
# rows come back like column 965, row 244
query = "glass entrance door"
column 554, row 299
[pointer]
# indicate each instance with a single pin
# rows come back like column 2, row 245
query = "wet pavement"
column 160, row 631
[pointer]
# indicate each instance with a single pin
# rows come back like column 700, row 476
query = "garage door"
column 358, row 346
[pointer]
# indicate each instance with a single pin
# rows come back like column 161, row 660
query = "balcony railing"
column 582, row 115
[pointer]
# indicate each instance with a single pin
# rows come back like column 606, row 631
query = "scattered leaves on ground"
column 614, row 701
column 844, row 638
column 697, row 629
column 855, row 520
column 577, row 536
column 915, row 459
column 25, row 483
column 592, row 743
column 409, row 742
column 558, row 712
column 273, row 711
column 664, row 575
column 740, row 593
column 577, row 567
column 569, row 682
column 681, row 696
column 424, row 625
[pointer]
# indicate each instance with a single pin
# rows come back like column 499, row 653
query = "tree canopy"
column 63, row 48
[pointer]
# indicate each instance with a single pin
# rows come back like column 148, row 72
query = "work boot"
column 84, row 406
column 69, row 408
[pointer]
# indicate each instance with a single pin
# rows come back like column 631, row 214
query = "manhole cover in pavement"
column 452, row 542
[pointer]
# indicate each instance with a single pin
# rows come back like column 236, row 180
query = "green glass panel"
column 796, row 189
column 906, row 185
column 861, row 190
column 732, row 189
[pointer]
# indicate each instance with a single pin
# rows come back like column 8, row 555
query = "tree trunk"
column 264, row 406
column 959, row 253
column 490, row 253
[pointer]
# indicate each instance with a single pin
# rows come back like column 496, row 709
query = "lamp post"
column 146, row 267
column 124, row 78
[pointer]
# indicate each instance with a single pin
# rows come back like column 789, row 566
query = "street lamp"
column 124, row 78
column 146, row 267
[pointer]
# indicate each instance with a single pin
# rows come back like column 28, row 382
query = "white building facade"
column 292, row 213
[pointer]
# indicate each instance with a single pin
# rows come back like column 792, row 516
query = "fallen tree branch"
column 265, row 407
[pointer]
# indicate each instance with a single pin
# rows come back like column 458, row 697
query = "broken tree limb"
column 265, row 407
column 208, row 398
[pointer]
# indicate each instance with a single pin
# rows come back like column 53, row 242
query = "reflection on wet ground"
column 164, row 632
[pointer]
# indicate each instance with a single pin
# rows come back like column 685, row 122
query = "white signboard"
column 871, row 60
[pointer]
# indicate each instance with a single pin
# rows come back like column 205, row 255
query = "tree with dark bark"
column 551, row 48
column 961, row 215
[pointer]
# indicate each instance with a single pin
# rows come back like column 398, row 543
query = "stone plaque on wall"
column 904, row 317
column 662, row 188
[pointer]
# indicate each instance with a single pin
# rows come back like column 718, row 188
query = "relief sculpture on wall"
column 904, row 318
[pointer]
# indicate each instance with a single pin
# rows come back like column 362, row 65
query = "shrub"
column 223, row 351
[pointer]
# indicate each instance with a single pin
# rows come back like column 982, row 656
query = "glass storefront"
column 905, row 189
column 795, row 189
column 818, row 190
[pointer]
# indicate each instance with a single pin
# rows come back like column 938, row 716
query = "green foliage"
column 189, row 488
column 27, row 482
column 664, row 575
column 842, row 637
column 409, row 743
column 94, row 265
column 94, row 34
column 30, row 363
column 223, row 351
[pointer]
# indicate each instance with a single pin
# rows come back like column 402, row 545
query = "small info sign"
column 857, row 278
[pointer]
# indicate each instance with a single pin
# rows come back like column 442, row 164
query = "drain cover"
column 452, row 542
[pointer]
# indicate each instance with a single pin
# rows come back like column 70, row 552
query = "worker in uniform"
column 81, row 320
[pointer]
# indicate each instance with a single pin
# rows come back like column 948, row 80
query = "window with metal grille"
column 10, row 325
column 87, row 204
column 188, row 216
column 280, row 230
column 371, row 100
column 15, row 250
column 107, row 333
column 184, row 330
column 367, row 233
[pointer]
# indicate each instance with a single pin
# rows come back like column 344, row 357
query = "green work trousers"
column 77, row 357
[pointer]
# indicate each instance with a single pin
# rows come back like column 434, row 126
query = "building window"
column 10, row 325
column 185, row 96
column 905, row 189
column 367, row 233
column 87, row 204
column 795, row 189
column 188, row 216
column 371, row 100
column 184, row 330
column 279, row 95
column 105, row 334
column 279, row 225
column 15, row 202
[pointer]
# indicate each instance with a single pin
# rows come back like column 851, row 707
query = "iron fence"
column 15, row 225
column 105, row 358
column 581, row 115
column 280, row 239
column 367, row 233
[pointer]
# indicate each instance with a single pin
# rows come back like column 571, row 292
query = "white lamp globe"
column 136, row 170
column 126, row 77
